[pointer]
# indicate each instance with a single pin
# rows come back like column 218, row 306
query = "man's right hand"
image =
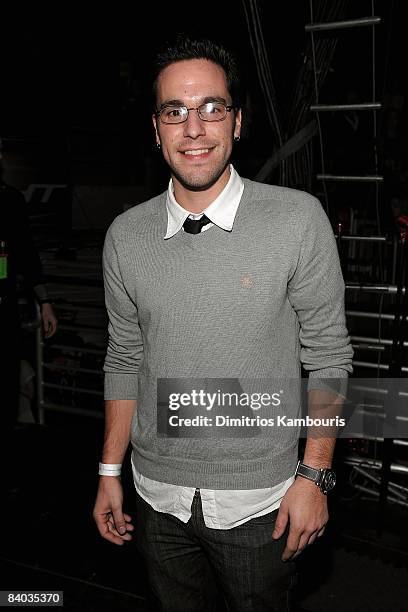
column 112, row 523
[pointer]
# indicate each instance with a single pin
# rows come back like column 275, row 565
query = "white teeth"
column 196, row 152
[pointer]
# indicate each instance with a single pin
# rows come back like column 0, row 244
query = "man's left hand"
column 305, row 507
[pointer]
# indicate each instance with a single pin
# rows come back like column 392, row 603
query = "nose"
column 194, row 126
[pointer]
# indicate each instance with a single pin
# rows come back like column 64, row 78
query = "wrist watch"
column 324, row 478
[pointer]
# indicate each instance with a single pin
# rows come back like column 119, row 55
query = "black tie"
column 193, row 226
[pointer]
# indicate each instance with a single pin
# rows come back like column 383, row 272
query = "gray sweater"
column 253, row 303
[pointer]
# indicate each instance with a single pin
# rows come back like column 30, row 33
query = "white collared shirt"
column 221, row 211
column 222, row 509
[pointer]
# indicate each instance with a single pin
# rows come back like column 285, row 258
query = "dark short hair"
column 185, row 48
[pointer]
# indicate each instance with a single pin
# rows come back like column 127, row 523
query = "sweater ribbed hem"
column 256, row 474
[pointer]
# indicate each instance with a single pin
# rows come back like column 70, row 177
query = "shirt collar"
column 221, row 211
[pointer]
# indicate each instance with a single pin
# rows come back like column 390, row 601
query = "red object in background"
column 403, row 223
column 343, row 221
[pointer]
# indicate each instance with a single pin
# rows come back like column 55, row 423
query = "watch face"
column 329, row 481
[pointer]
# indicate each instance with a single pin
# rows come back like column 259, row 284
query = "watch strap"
column 307, row 472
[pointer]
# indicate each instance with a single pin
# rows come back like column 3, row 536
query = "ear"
column 238, row 120
column 154, row 119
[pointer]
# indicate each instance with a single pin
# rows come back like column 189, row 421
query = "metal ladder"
column 385, row 487
column 372, row 106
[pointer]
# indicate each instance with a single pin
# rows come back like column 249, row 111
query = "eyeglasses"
column 210, row 111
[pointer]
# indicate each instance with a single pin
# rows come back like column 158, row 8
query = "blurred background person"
column 18, row 256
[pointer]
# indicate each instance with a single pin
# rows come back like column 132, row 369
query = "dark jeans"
column 189, row 564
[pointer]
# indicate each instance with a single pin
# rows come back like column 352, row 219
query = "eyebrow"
column 203, row 101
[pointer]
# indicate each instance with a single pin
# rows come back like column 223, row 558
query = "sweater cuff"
column 41, row 293
column 334, row 380
column 119, row 386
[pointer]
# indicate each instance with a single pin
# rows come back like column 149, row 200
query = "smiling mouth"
column 196, row 152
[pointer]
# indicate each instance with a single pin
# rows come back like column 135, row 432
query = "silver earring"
column 158, row 145
column 237, row 138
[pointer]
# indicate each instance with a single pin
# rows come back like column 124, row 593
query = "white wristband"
column 109, row 469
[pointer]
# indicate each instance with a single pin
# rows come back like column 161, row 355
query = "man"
column 219, row 278
column 18, row 256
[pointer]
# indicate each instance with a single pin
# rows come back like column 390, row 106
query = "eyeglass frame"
column 228, row 109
